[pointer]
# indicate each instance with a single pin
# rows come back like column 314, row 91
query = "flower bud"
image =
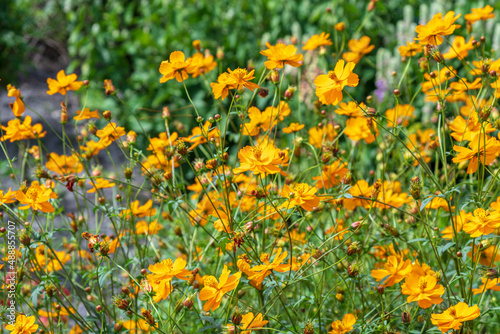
column 340, row 26
column 263, row 92
column 107, row 115
column 406, row 317
column 289, row 92
column 274, row 76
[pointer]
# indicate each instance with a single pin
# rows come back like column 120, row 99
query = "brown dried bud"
column 144, row 272
column 406, row 317
column 99, row 308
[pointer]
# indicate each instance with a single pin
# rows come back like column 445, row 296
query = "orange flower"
column 316, row 41
column 223, row 222
column 280, row 54
column 399, row 115
column 301, row 194
column 358, row 49
column 17, row 107
column 52, row 261
column 262, row 159
column 293, row 127
column 63, row 83
column 317, row 135
column 395, row 271
column 482, row 223
column 23, row 325
column 8, row 197
column 36, row 197
column 64, row 164
column 469, row 127
column 236, row 79
column 143, row 227
column 15, row 130
column 488, row 284
column 201, row 64
column 331, row 175
column 145, row 210
column 358, row 128
column 423, row 289
column 360, row 189
column 329, row 86
column 453, row 317
column 249, row 321
column 110, row 133
column 264, row 270
column 432, row 32
column 162, row 274
column 214, row 291
column 458, row 221
column 344, row 326
column 486, row 256
column 100, row 183
column 85, row 114
column 204, row 209
column 410, row 50
column 176, row 67
column 477, row 152
column 459, row 48
column 477, row 14
column 351, row 109
column 339, row 230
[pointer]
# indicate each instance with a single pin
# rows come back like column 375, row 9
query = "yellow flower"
column 236, row 79
column 110, row 133
column 423, row 289
column 477, row 14
column 458, row 221
column 50, row 260
column 358, row 48
column 262, row 159
column 410, row 50
column 23, row 325
column 329, row 86
column 399, row 115
column 36, row 197
column 316, row 41
column 280, row 54
column 176, row 67
column 358, row 128
column 482, row 223
column 100, row 183
column 264, row 270
column 453, row 317
column 201, row 64
column 477, row 151
column 145, row 210
column 214, row 291
column 15, row 130
column 293, row 127
column 250, row 322
column 351, row 109
column 488, row 284
column 301, row 195
column 317, row 136
column 344, row 326
column 144, row 227
column 331, row 175
column 17, row 107
column 137, row 327
column 162, row 274
column 63, row 83
column 394, row 270
column 459, row 48
column 432, row 32
column 64, row 164
column 8, row 197
column 85, row 114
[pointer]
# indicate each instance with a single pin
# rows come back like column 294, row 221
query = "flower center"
column 210, row 281
column 422, row 284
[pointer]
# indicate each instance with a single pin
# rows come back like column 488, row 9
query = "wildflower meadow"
column 335, row 182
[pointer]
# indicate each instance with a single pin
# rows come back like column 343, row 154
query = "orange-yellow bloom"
column 201, row 64
column 316, row 41
column 436, row 28
column 7, row 197
column 110, row 133
column 63, row 83
column 410, row 49
column 250, row 322
column 36, row 197
column 477, row 152
column 64, row 164
column 358, row 48
column 482, row 223
column 302, row 195
column 423, row 289
column 454, row 316
column 331, row 175
column 477, row 14
column 358, row 128
column 23, row 325
column 459, row 48
column 100, row 183
column 15, row 130
column 236, row 79
column 85, row 114
column 293, row 127
column 488, row 284
column 176, row 67
column 399, row 115
column 344, row 326
column 213, row 290
column 280, row 54
column 17, row 107
column 329, row 86
column 162, row 274
column 395, row 271
column 264, row 270
column 262, row 159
